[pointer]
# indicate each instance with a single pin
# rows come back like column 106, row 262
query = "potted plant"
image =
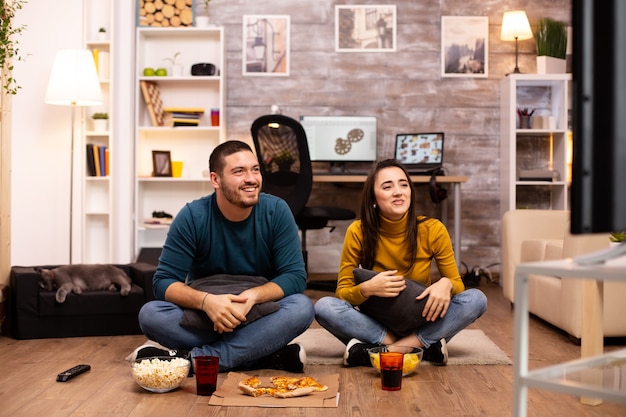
column 551, row 41
column 102, row 34
column 202, row 13
column 100, row 121
column 284, row 160
column 8, row 44
column 617, row 237
column 176, row 68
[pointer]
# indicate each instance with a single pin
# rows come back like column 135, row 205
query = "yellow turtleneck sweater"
column 433, row 243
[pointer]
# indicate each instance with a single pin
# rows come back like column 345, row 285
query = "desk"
column 593, row 377
column 456, row 182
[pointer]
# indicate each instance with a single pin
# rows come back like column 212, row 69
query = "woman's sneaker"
column 437, row 353
column 356, row 353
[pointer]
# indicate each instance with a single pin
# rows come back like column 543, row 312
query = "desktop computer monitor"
column 339, row 139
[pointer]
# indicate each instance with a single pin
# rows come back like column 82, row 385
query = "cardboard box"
column 228, row 394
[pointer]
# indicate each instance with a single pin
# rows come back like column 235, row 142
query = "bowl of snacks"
column 160, row 373
column 412, row 357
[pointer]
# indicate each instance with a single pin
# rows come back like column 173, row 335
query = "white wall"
column 41, row 138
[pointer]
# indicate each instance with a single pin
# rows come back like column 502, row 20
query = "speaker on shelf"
column 203, row 68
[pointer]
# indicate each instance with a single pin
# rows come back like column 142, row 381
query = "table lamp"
column 73, row 82
column 515, row 27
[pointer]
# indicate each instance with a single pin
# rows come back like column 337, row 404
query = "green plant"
column 100, row 116
column 284, row 159
column 8, row 43
column 618, row 236
column 172, row 59
column 206, row 6
column 550, row 38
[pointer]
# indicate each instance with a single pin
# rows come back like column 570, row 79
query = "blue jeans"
column 159, row 321
column 345, row 322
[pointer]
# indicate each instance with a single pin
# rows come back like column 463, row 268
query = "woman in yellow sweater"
column 394, row 242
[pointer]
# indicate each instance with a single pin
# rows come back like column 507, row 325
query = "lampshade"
column 74, row 79
column 515, row 26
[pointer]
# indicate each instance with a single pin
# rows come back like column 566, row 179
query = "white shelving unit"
column 191, row 145
column 97, row 205
column 545, row 148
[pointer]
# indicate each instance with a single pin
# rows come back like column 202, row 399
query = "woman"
column 396, row 243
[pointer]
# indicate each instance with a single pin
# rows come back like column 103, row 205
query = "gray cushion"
column 226, row 284
column 401, row 314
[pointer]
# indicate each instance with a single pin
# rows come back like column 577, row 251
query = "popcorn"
column 160, row 375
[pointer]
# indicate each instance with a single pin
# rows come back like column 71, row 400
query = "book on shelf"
column 184, row 122
column 183, row 115
column 106, row 162
column 195, row 110
column 91, row 163
column 102, row 156
column 96, row 158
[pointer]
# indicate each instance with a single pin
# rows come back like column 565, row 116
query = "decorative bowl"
column 412, row 357
column 160, row 373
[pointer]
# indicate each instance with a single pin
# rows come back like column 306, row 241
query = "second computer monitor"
column 340, row 138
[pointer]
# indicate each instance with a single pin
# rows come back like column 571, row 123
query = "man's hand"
column 384, row 284
column 227, row 311
column 439, row 300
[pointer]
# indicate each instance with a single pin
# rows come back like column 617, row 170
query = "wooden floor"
column 28, row 370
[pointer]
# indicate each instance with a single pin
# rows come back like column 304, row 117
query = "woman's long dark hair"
column 371, row 223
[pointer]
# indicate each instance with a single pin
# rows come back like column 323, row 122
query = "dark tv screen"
column 598, row 202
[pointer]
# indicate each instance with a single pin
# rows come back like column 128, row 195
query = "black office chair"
column 283, row 153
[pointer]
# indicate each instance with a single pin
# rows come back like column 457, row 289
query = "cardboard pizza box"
column 228, row 394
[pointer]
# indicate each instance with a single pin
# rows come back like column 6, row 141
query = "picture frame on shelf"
column 161, row 164
column 365, row 28
column 464, row 46
column 266, row 50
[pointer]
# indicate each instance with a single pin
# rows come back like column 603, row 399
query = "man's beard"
column 233, row 196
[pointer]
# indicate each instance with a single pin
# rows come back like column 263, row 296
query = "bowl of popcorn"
column 412, row 357
column 160, row 373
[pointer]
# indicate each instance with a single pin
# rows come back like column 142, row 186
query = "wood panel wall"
column 403, row 89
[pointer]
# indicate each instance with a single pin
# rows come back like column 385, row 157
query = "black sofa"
column 34, row 312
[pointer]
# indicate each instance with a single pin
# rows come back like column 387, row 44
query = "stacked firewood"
column 165, row 13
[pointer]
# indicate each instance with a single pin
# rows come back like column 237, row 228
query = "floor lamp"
column 73, row 82
column 515, row 27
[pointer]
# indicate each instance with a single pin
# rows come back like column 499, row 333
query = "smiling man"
column 231, row 275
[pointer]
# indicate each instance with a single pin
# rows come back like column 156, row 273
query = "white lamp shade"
column 515, row 26
column 74, row 79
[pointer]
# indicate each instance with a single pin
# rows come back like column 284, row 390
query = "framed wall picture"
column 464, row 46
column 161, row 164
column 365, row 28
column 266, row 45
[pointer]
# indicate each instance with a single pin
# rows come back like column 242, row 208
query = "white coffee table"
column 597, row 375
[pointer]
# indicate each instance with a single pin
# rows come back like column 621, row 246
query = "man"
column 235, row 232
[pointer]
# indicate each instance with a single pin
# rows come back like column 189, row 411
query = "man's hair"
column 216, row 160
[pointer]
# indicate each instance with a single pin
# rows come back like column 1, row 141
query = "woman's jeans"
column 159, row 321
column 345, row 322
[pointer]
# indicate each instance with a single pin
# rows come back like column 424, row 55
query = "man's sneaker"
column 149, row 351
column 356, row 353
column 437, row 353
column 291, row 358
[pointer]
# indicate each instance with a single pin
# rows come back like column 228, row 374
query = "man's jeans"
column 159, row 321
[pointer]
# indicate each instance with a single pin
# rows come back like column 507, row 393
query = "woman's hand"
column 384, row 284
column 438, row 300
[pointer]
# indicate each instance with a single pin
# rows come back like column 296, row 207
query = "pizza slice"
column 282, row 386
column 295, row 383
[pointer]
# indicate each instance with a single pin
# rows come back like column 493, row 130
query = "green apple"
column 161, row 72
column 148, row 72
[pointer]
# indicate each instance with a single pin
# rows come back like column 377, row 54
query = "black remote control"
column 72, row 372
